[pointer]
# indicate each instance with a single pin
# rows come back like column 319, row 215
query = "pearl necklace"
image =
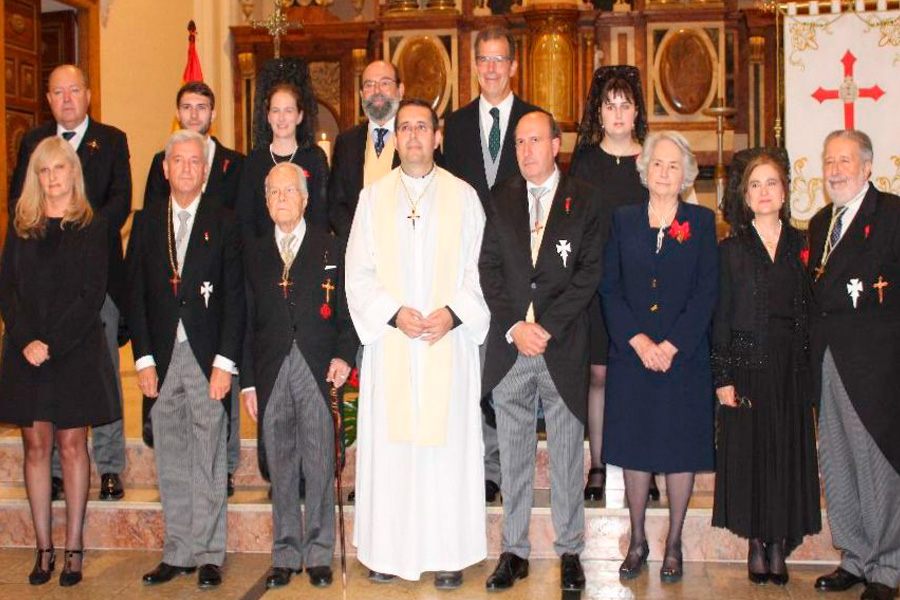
column 291, row 159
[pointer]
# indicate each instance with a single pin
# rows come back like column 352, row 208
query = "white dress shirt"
column 487, row 121
column 79, row 132
column 221, row 362
column 389, row 125
column 852, row 209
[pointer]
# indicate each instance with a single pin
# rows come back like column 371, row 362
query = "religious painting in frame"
column 691, row 67
column 428, row 65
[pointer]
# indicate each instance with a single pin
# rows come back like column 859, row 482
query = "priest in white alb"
column 416, row 302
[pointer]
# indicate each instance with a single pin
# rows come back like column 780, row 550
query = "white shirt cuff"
column 509, row 338
column 249, row 389
column 144, row 362
column 226, row 364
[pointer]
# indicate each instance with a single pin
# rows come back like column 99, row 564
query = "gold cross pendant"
column 285, row 284
column 413, row 217
column 328, row 287
column 175, row 280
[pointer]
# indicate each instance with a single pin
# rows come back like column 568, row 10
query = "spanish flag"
column 192, row 70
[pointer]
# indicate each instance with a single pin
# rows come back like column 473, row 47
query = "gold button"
column 654, row 308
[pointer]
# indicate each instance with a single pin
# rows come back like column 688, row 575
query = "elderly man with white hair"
column 186, row 314
column 299, row 342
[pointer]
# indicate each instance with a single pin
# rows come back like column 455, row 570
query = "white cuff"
column 249, row 389
column 226, row 364
column 144, row 362
column 509, row 338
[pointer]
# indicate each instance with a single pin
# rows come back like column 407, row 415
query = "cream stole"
column 375, row 167
column 428, row 425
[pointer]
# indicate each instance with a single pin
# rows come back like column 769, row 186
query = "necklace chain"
column 414, row 205
column 291, row 159
column 662, row 223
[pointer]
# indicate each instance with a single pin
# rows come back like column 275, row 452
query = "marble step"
column 141, row 468
column 137, row 523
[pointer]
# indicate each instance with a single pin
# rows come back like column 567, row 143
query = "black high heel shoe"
column 634, row 561
column 672, row 568
column 68, row 577
column 39, row 575
column 595, row 492
column 654, row 490
column 757, row 553
column 778, row 573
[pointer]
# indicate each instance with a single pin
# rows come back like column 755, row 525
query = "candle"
column 325, row 145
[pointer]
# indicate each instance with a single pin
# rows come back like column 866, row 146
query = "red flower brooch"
column 354, row 377
column 680, row 231
column 866, row 231
column 325, row 311
column 568, row 204
column 804, row 257
column 225, row 164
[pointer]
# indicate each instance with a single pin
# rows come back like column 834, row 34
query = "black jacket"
column 864, row 341
column 560, row 294
column 221, row 185
column 462, row 146
column 347, row 164
column 213, row 255
column 276, row 322
column 107, row 179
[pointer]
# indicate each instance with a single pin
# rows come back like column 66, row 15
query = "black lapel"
column 216, row 173
column 360, row 138
column 852, row 244
column 159, row 232
column 90, row 144
column 508, row 163
column 308, row 258
column 198, row 243
column 556, row 221
column 517, row 209
column 471, row 133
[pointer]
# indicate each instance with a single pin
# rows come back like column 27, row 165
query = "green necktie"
column 494, row 137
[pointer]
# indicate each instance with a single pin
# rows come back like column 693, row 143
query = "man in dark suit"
column 186, row 313
column 854, row 328
column 195, row 109
column 299, row 337
column 540, row 265
column 479, row 148
column 103, row 151
column 366, row 152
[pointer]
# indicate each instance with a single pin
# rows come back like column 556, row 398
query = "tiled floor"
column 117, row 574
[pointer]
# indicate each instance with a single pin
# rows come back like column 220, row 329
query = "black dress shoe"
column 491, row 490
column 165, row 572
column 593, row 493
column 39, row 575
column 672, row 569
column 509, row 568
column 838, row 581
column 56, row 488
column 209, row 576
column 320, row 576
column 278, row 577
column 69, row 576
column 111, row 487
column 448, row 580
column 653, row 494
column 634, row 561
column 376, row 577
column 230, row 485
column 572, row 575
column 878, row 591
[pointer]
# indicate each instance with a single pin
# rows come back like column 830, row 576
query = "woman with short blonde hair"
column 56, row 377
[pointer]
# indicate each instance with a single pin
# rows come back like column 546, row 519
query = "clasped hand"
column 655, row 357
column 429, row 329
column 530, row 338
column 36, row 353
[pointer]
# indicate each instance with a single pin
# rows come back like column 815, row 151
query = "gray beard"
column 383, row 112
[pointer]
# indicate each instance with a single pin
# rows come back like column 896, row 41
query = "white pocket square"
column 330, row 267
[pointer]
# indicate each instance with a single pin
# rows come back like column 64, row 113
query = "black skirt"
column 767, row 479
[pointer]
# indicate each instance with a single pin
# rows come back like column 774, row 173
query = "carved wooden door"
column 22, row 74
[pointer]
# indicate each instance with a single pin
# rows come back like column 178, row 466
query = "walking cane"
column 338, row 468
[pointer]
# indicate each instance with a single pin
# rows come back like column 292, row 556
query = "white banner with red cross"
column 841, row 71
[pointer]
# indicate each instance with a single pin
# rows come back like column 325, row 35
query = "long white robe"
column 418, row 508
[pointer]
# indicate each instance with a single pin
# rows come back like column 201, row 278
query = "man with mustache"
column 366, row 152
column 854, row 327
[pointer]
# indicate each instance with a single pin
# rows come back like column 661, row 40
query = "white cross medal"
column 563, row 248
column 854, row 288
column 206, row 291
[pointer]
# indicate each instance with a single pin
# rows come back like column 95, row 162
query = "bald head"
column 68, row 95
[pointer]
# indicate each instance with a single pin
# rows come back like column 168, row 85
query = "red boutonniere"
column 94, row 145
column 568, row 204
column 354, row 377
column 206, row 237
column 305, row 173
column 680, row 231
column 866, row 231
column 325, row 311
column 225, row 165
column 804, row 257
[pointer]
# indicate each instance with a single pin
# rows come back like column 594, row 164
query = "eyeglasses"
column 496, row 59
column 409, row 128
column 383, row 84
column 288, row 192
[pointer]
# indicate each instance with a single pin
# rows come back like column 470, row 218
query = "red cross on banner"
column 849, row 91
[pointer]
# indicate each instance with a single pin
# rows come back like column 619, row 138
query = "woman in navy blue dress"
column 659, row 289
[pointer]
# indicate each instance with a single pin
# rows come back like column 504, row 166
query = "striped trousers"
column 862, row 489
column 515, row 401
column 299, row 434
column 189, row 431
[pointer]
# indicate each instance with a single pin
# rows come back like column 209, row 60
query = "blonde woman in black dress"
column 56, row 375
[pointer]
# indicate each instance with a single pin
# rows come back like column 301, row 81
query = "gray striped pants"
column 189, row 435
column 298, row 432
column 515, row 400
column 862, row 489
